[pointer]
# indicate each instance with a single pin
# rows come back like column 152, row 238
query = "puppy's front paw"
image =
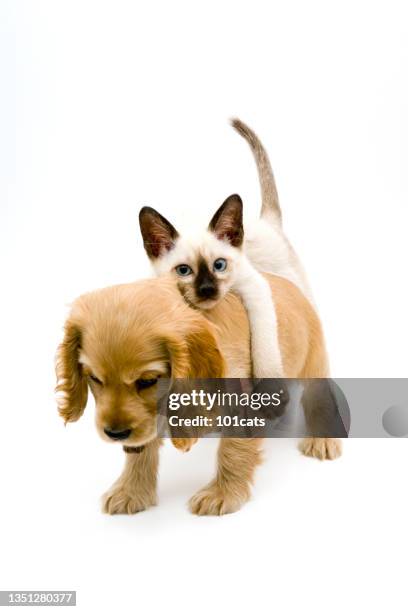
column 321, row 448
column 119, row 500
column 184, row 444
column 213, row 500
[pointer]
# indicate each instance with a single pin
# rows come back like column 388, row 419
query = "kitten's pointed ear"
column 158, row 234
column 226, row 224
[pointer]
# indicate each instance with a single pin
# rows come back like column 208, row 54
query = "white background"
column 106, row 106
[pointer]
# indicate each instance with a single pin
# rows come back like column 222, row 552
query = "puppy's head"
column 118, row 342
column 205, row 265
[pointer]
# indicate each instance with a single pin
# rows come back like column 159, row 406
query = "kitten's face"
column 204, row 266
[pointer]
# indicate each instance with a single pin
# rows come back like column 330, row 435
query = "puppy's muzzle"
column 115, row 434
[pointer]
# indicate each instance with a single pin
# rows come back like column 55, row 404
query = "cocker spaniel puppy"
column 119, row 340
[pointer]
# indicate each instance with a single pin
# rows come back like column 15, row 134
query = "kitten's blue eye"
column 183, row 270
column 220, row 265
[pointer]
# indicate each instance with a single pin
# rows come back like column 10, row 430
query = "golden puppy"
column 120, row 340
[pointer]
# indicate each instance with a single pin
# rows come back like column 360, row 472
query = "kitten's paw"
column 119, row 500
column 321, row 448
column 184, row 444
column 215, row 501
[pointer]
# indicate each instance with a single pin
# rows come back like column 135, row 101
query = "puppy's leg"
column 184, row 444
column 136, row 488
column 322, row 417
column 230, row 489
column 321, row 448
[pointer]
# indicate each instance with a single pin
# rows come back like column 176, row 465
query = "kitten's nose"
column 115, row 434
column 207, row 290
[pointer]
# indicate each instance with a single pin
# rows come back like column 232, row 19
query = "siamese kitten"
column 209, row 265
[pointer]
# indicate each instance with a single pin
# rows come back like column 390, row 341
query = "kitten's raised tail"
column 270, row 201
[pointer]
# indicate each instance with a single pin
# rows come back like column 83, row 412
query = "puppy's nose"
column 207, row 290
column 116, row 434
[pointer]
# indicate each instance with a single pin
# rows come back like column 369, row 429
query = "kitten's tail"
column 270, row 201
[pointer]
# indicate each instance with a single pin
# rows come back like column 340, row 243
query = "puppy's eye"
column 95, row 380
column 220, row 265
column 145, row 383
column 183, row 270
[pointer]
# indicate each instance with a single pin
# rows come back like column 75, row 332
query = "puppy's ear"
column 197, row 355
column 206, row 360
column 226, row 224
column 72, row 386
column 158, row 234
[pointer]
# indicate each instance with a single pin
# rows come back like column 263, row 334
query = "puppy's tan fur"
column 127, row 332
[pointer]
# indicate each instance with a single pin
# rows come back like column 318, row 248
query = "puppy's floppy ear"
column 197, row 355
column 72, row 386
column 158, row 234
column 226, row 224
column 206, row 360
